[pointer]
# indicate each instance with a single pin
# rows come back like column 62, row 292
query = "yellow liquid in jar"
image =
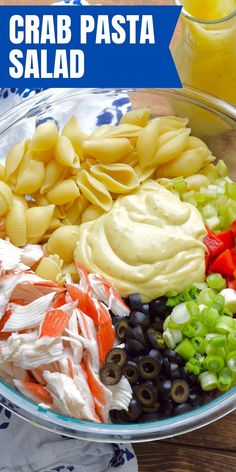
column 206, row 55
column 209, row 9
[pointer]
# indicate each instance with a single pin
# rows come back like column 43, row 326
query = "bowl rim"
column 161, row 429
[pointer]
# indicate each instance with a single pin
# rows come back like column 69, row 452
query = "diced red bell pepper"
column 227, row 237
column 207, row 263
column 233, row 227
column 224, row 264
column 214, row 245
column 231, row 283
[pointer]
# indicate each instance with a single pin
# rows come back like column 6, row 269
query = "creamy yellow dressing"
column 149, row 242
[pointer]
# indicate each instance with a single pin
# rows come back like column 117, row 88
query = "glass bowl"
column 212, row 120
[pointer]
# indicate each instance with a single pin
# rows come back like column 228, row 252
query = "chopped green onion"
column 225, row 325
column 214, row 363
column 166, row 323
column 218, row 302
column 219, row 340
column 210, row 317
column 207, row 296
column 198, row 343
column 193, row 308
column 180, row 185
column 180, row 315
column 216, row 281
column 232, row 340
column 177, row 335
column 222, row 168
column 231, row 361
column 185, row 349
column 169, row 339
column 194, row 366
column 208, row 381
column 215, row 351
column 195, row 328
column 225, row 379
column 172, row 293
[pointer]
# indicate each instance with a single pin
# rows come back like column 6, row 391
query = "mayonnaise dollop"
column 149, row 242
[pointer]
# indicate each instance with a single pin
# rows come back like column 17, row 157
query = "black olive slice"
column 116, row 416
column 157, row 355
column 146, row 394
column 182, row 408
column 166, row 408
column 116, row 356
column 131, row 372
column 174, row 371
column 134, row 301
column 157, row 324
column 149, row 417
column 164, row 389
column 134, row 411
column 139, row 318
column 134, row 348
column 172, row 356
column 190, row 378
column 179, row 391
column 120, row 328
column 135, row 333
column 158, row 307
column 152, row 409
column 196, row 397
column 145, row 309
column 149, row 367
column 154, row 339
column 110, row 374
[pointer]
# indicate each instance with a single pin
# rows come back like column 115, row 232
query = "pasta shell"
column 144, row 173
column 31, row 179
column 14, row 159
column 170, row 147
column 131, row 159
column 37, row 222
column 64, row 152
column 109, row 149
column 124, row 131
column 63, row 242
column 94, row 191
column 54, row 224
column 63, row 192
column 15, row 224
column 147, row 143
column 45, row 136
column 2, row 172
column 170, row 123
column 53, row 172
column 44, row 156
column 91, row 213
column 74, row 133
column 49, row 267
column 136, row 117
column 22, row 200
column 74, row 212
column 70, row 269
column 118, row 178
column 189, row 163
column 101, row 131
column 6, row 199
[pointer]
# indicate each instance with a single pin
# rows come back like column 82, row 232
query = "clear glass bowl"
column 210, row 119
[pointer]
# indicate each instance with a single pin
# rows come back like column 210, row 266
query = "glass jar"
column 205, row 54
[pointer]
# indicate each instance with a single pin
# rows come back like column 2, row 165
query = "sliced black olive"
column 116, row 356
column 196, row 397
column 154, row 339
column 179, row 391
column 146, row 394
column 150, row 367
column 182, row 408
column 157, row 324
column 149, row 417
column 135, row 333
column 145, row 309
column 158, row 307
column 152, row 409
column 110, row 374
column 134, row 411
column 139, row 318
column 166, row 408
column 173, row 357
column 134, row 348
column 116, row 416
column 120, row 328
column 156, row 354
column 174, row 371
column 134, row 301
column 166, row 367
column 131, row 372
column 190, row 378
column 164, row 389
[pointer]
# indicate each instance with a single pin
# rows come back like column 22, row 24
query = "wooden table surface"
column 210, row 449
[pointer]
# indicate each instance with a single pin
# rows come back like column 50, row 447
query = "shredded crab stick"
column 102, row 290
column 53, row 339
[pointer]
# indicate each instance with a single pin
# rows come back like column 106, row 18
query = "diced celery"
column 222, row 168
column 213, row 222
column 180, row 185
column 230, row 188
